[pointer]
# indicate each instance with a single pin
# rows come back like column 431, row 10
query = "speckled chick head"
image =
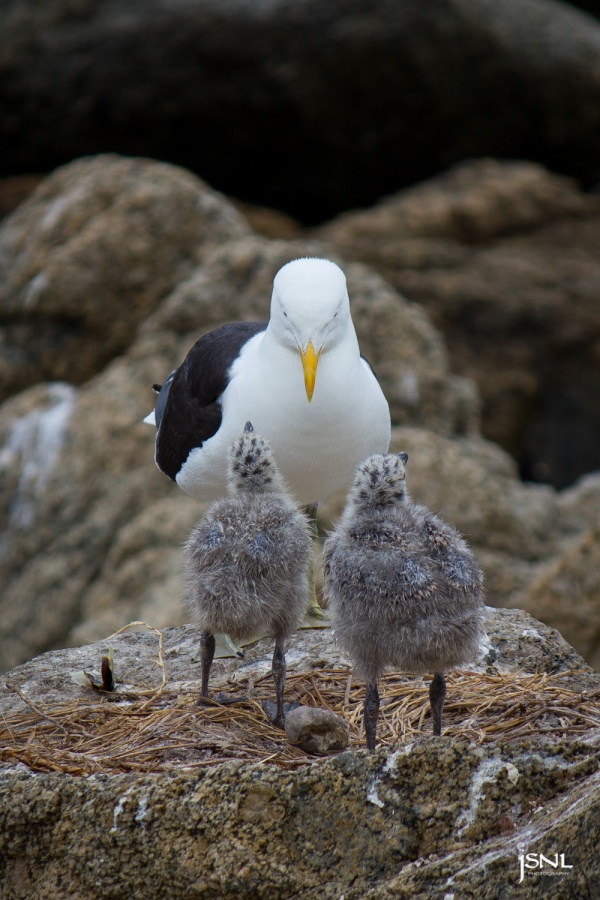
column 251, row 464
column 380, row 482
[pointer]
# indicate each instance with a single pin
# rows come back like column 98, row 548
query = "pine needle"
column 166, row 731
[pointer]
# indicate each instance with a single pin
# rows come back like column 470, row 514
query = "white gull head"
column 310, row 311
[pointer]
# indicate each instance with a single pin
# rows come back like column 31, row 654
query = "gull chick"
column 403, row 587
column 247, row 560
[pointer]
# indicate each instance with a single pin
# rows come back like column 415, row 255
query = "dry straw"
column 165, row 731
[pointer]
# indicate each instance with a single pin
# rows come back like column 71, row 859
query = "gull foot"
column 315, row 617
column 226, row 648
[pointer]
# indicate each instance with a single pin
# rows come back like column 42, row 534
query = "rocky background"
column 474, row 281
column 160, row 161
column 309, row 107
column 112, row 268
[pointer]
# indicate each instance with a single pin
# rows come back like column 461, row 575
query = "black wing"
column 188, row 408
column 163, row 396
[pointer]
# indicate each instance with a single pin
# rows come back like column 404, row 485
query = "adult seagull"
column 299, row 378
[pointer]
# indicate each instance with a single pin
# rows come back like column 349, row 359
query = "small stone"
column 317, row 731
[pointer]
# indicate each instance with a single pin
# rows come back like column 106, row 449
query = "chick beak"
column 310, row 361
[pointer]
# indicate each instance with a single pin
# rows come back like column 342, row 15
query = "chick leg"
column 207, row 653
column 371, row 714
column 279, row 671
column 437, row 693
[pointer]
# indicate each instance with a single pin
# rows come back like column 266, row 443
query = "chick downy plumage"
column 403, row 587
column 247, row 560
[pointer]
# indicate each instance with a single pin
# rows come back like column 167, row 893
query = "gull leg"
column 314, row 610
column 371, row 714
column 279, row 671
column 437, row 693
column 207, row 653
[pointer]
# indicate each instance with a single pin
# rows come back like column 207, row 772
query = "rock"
column 13, row 191
column 565, row 593
column 420, row 818
column 516, row 642
column 85, row 519
column 257, row 832
column 271, row 223
column 312, row 132
column 503, row 256
column 317, row 731
column 474, row 482
column 579, row 506
column 89, row 255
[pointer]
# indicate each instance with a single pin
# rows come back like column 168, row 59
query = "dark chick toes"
column 270, row 710
column 230, row 699
column 437, row 694
column 221, row 699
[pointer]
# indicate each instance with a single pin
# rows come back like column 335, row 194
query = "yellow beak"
column 310, row 361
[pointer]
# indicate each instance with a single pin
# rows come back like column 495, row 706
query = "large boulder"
column 78, row 473
column 504, row 258
column 566, row 586
column 90, row 254
column 304, row 106
column 149, row 795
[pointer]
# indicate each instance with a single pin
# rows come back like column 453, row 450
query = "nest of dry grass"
column 165, row 730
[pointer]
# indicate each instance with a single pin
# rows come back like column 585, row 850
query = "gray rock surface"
column 341, row 103
column 504, row 258
column 565, row 592
column 89, row 255
column 422, row 818
column 258, row 833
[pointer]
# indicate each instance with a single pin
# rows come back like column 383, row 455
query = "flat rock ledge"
column 515, row 772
